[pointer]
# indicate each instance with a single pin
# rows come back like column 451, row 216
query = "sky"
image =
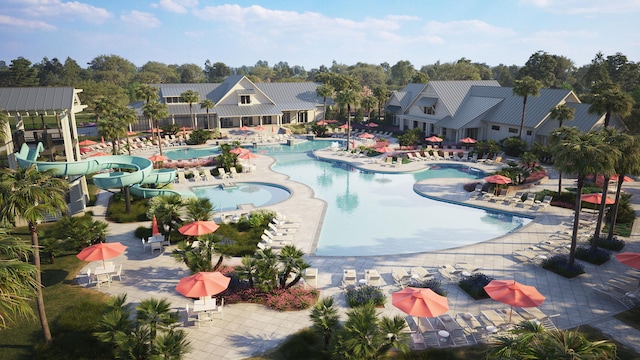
column 311, row 33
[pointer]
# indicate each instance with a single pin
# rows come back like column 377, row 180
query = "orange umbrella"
column 630, row 259
column 384, row 149
column 155, row 130
column 239, row 151
column 203, row 284
column 420, row 302
column 198, row 228
column 513, row 293
column 243, row 128
column 468, row 140
column 101, row 251
column 322, row 122
column 260, row 127
column 99, row 153
column 434, row 139
column 248, row 156
column 596, row 199
column 154, row 227
column 371, row 125
column 87, row 142
column 156, row 158
column 497, row 179
column 344, row 126
column 366, row 136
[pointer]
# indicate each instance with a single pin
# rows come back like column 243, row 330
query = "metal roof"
column 452, row 93
column 472, row 108
column 427, row 101
column 247, row 110
column 36, row 98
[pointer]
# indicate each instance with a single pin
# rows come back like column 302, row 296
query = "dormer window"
column 245, row 99
column 244, row 96
column 429, row 110
column 428, row 105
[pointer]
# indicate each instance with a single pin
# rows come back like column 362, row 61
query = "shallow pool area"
column 186, row 153
column 242, row 195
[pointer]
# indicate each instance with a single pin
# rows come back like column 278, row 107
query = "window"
column 267, row 120
column 495, row 127
column 513, row 130
column 528, row 132
column 226, row 122
column 429, row 110
column 172, row 100
column 245, row 99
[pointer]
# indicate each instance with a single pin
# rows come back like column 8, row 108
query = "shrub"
column 434, row 284
column 474, row 285
column 597, row 257
column 142, row 232
column 614, row 244
column 559, row 264
column 116, row 211
column 361, row 295
column 513, row 146
column 295, row 298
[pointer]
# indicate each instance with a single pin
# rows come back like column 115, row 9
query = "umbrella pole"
column 510, row 313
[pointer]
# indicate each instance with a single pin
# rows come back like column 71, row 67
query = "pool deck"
column 248, row 329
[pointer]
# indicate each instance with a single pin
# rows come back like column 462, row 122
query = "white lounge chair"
column 449, row 272
column 372, row 277
column 348, row 277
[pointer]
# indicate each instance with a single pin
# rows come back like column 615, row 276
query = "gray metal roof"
column 247, row 110
column 472, row 108
column 174, row 90
column 427, row 101
column 408, row 94
column 452, row 93
column 36, row 98
column 584, row 121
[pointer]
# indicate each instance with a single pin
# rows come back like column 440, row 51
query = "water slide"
column 140, row 172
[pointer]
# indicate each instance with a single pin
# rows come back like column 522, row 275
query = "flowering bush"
column 559, row 264
column 474, row 285
column 536, row 176
column 358, row 296
column 295, row 298
column 434, row 284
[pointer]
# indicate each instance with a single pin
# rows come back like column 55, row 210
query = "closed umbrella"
column 513, row 293
column 248, row 156
column 197, row 228
column 630, row 259
column 87, row 142
column 203, row 284
column 154, row 227
column 101, row 251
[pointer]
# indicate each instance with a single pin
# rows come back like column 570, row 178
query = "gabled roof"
column 582, row 119
column 472, row 108
column 408, row 94
column 452, row 93
column 36, row 98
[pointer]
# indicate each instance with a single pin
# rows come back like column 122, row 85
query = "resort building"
column 484, row 110
column 240, row 102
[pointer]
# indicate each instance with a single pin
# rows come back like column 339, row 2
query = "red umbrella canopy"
column 624, row 179
column 630, row 259
column 99, row 153
column 366, row 136
column 155, row 130
column 101, row 251
column 433, row 139
column 156, row 158
column 513, row 293
column 384, row 149
column 498, row 179
column 203, row 284
column 239, row 151
column 322, row 122
column 198, row 228
column 596, row 199
column 154, row 227
column 260, row 127
column 87, row 142
column 371, row 125
column 343, row 126
column 468, row 140
column 248, row 156
column 243, row 128
column 420, row 302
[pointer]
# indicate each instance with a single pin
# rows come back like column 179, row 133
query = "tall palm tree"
column 325, row 319
column 146, row 92
column 562, row 113
column 31, row 194
column 207, row 104
column 582, row 155
column 3, row 125
column 198, row 209
column 381, row 93
column 155, row 111
column 112, row 131
column 190, row 97
column 525, row 87
column 266, row 270
column 292, row 261
column 157, row 314
column 167, row 210
column 325, row 90
column 367, row 103
column 103, row 106
column 346, row 97
column 247, row 269
column 125, row 116
column 629, row 163
column 609, row 99
column 17, row 279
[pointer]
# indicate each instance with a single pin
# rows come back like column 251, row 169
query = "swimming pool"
column 248, row 193
column 380, row 214
column 186, row 153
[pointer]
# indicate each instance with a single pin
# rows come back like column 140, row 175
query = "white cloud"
column 585, row 7
column 25, row 24
column 474, row 27
column 142, row 19
column 180, row 7
column 69, row 10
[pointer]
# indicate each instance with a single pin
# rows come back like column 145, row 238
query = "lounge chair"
column 400, row 276
column 530, row 200
column 464, row 266
column 372, row 277
column 494, row 318
column 456, row 332
column 233, row 172
column 534, row 313
column 281, row 231
column 529, row 256
column 420, row 273
column 348, row 277
column 311, row 275
column 449, row 272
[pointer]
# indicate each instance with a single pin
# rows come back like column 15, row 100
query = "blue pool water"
column 191, row 153
column 256, row 194
column 380, row 214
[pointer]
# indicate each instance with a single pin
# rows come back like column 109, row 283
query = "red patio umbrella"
column 322, row 122
column 420, row 302
column 243, row 128
column 498, row 179
column 343, row 126
column 197, row 228
column 99, row 153
column 87, row 142
column 248, row 156
column 513, row 293
column 596, row 199
column 156, row 158
column 203, row 284
column 371, row 125
column 433, row 139
column 155, row 130
column 84, row 150
column 630, row 259
column 616, row 177
column 260, row 127
column 384, row 149
column 468, row 140
column 154, row 227
column 239, row 151
column 131, row 133
column 366, row 136
column 101, row 251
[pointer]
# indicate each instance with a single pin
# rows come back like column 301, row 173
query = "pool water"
column 255, row 194
column 380, row 214
column 191, row 153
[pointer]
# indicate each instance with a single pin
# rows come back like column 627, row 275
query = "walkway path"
column 248, row 329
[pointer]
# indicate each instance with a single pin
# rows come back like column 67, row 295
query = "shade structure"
column 248, row 156
column 260, row 127
column 101, row 251
column 498, row 179
column 596, row 199
column 384, row 149
column 630, row 259
column 513, row 293
column 366, row 136
column 371, row 125
column 156, row 158
column 616, row 177
column 421, row 302
column 87, row 142
column 154, row 227
column 239, row 151
column 131, row 133
column 198, row 228
column 433, row 139
column 99, row 153
column 203, row 284
column 468, row 140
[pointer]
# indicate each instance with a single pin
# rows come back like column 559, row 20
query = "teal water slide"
column 141, row 171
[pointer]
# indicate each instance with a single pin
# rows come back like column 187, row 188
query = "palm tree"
column 325, row 90
column 155, row 111
column 292, row 260
column 103, row 106
column 346, row 97
column 125, row 116
column 110, row 130
column 381, row 93
column 190, row 97
column 525, row 87
column 582, row 155
column 609, row 99
column 3, row 125
column 325, row 319
column 146, row 92
column 367, row 103
column 562, row 113
column 30, row 194
column 17, row 279
column 157, row 314
column 167, row 210
column 247, row 269
column 266, row 270
column 629, row 163
column 198, row 209
column 207, row 104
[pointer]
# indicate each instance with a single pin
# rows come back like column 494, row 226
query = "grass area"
column 72, row 312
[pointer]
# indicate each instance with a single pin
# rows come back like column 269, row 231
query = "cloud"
column 585, row 7
column 475, row 27
column 174, row 6
column 142, row 19
column 25, row 24
column 68, row 10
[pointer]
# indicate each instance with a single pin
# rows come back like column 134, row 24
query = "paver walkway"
column 248, row 329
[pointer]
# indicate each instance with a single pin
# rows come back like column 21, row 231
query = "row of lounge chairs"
column 623, row 288
column 518, row 199
column 280, row 233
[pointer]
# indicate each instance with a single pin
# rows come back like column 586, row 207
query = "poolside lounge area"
column 248, row 329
